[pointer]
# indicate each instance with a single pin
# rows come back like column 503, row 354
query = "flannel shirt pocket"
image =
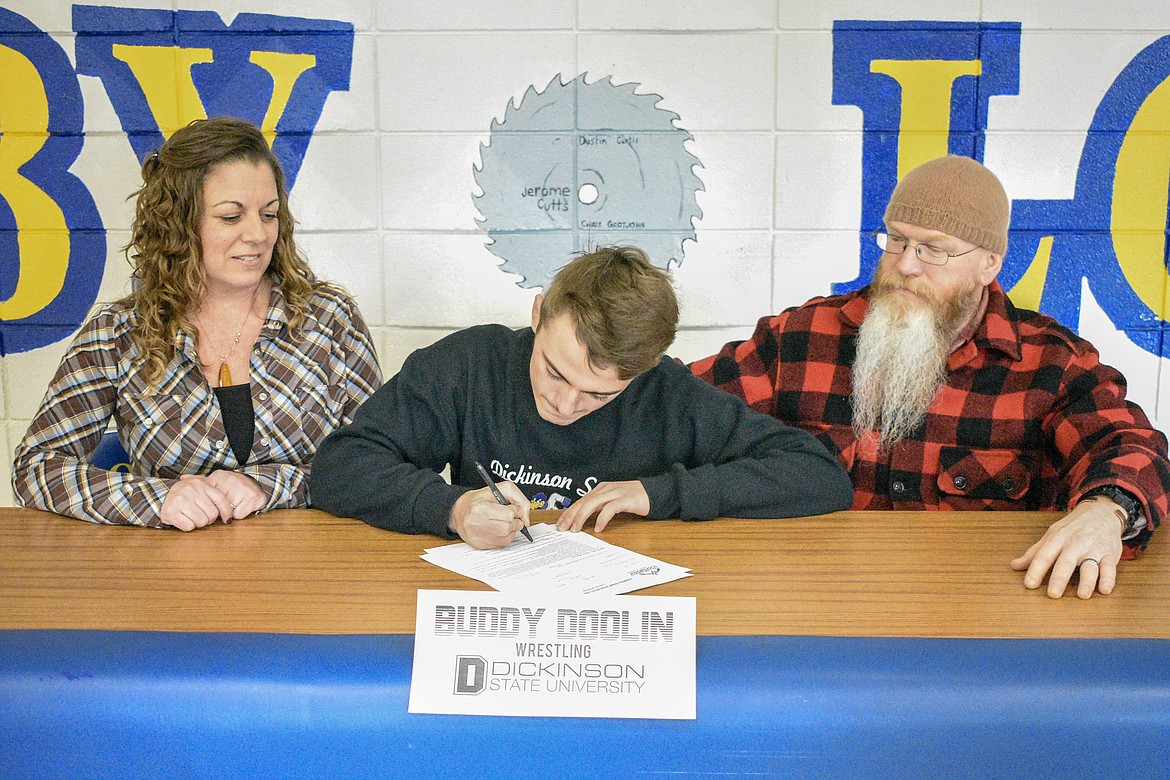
column 147, row 418
column 320, row 407
column 983, row 475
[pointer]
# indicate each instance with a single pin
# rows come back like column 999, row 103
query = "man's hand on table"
column 1087, row 539
column 605, row 500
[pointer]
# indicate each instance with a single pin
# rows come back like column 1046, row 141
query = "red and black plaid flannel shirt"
column 1029, row 417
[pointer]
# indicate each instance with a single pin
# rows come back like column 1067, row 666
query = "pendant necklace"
column 225, row 374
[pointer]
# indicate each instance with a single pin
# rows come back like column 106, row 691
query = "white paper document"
column 556, row 560
column 554, row 654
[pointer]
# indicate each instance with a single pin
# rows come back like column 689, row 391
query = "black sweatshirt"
column 700, row 453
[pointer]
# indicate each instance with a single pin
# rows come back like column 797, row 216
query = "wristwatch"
column 1134, row 520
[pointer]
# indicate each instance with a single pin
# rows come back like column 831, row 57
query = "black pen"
column 499, row 496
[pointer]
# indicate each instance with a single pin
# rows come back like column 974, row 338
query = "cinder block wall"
column 385, row 191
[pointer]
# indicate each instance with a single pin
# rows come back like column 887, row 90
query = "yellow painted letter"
column 42, row 236
column 926, row 105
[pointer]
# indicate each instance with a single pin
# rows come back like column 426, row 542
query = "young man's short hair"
column 623, row 308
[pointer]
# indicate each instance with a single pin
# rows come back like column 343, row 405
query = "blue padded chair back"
column 110, row 454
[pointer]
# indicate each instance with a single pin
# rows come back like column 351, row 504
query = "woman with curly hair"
column 223, row 369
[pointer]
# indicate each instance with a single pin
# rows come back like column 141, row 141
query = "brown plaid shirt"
column 1029, row 417
column 301, row 389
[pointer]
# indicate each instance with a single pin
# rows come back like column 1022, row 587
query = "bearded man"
column 936, row 392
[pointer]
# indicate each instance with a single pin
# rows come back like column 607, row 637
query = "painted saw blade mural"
column 580, row 165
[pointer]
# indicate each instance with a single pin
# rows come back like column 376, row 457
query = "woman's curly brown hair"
column 164, row 247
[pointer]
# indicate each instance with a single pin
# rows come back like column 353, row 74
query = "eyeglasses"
column 928, row 254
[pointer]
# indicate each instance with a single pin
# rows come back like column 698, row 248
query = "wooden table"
column 924, row 574
column 857, row 644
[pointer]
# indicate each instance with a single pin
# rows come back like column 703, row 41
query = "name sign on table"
column 484, row 653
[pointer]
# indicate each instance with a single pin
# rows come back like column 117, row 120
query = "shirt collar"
column 998, row 329
column 277, row 317
column 973, row 325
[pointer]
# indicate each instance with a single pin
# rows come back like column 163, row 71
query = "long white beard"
column 900, row 366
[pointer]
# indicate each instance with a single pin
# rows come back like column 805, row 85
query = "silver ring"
column 1093, row 561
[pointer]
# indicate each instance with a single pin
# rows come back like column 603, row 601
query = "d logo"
column 470, row 674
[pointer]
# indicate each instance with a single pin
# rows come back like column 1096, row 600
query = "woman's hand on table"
column 197, row 501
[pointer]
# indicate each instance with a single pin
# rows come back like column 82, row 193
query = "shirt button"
column 264, row 442
column 1009, row 484
column 263, row 396
column 961, row 482
column 219, row 444
column 898, row 487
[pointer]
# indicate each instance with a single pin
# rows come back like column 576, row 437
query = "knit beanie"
column 957, row 196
